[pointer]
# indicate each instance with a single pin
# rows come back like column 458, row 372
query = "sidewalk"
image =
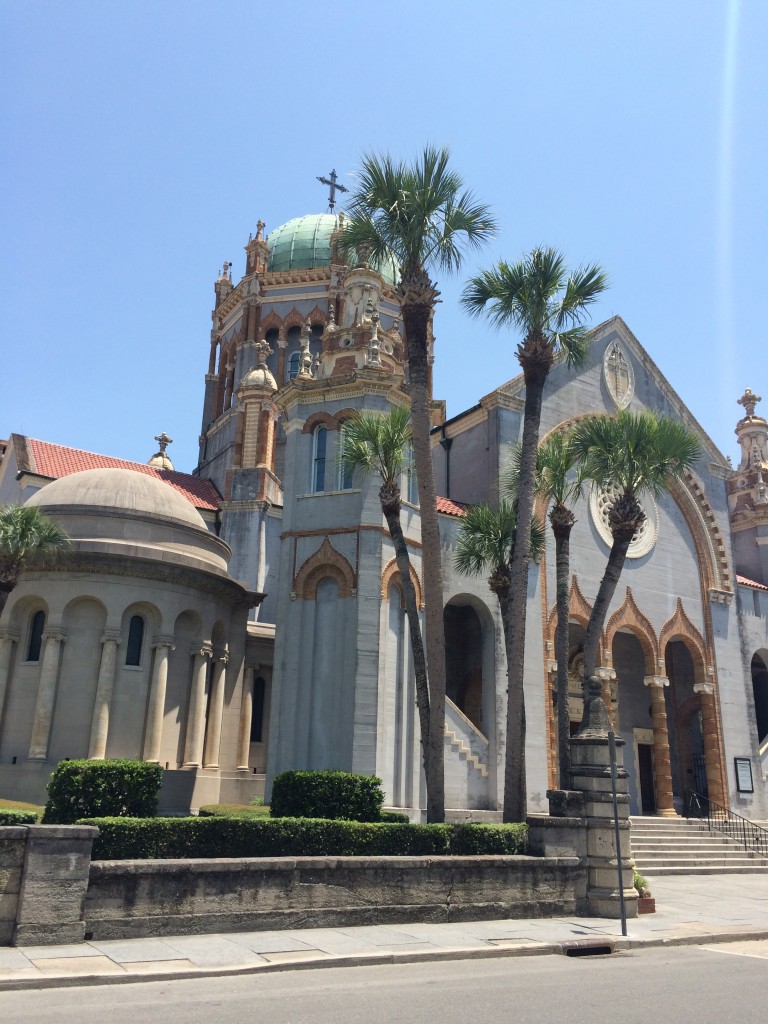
column 711, row 908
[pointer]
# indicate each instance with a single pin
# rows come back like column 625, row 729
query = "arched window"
column 318, row 458
column 343, row 473
column 293, row 365
column 257, row 716
column 36, row 628
column 135, row 640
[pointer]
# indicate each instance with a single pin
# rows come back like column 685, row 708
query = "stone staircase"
column 680, row 846
column 461, row 748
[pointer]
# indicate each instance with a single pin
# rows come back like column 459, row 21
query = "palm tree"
column 27, row 535
column 559, row 479
column 632, row 453
column 485, row 537
column 420, row 216
column 538, row 296
column 379, row 443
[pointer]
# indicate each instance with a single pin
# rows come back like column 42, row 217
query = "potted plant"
column 646, row 904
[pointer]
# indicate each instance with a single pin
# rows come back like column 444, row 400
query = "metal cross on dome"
column 334, row 187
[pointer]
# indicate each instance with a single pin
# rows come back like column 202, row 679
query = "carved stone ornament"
column 600, row 500
column 618, row 375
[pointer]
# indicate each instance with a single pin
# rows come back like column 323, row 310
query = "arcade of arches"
column 660, row 694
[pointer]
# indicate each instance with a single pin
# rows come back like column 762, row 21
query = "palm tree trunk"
column 403, row 560
column 603, row 600
column 515, row 780
column 417, row 299
column 562, row 533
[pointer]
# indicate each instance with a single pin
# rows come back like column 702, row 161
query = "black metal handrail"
column 722, row 819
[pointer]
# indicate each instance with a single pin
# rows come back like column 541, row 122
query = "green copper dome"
column 305, row 243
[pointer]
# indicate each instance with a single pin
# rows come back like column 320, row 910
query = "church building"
column 248, row 617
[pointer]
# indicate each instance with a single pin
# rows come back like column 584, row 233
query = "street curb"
column 618, row 943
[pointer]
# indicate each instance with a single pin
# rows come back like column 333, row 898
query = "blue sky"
column 142, row 141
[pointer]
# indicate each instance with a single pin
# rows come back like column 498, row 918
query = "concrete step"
column 668, row 846
column 673, row 860
column 691, row 849
column 704, row 869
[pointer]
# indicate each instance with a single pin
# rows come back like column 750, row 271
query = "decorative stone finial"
column 161, row 459
column 595, row 721
column 226, row 272
column 263, row 352
column 749, row 400
column 260, row 225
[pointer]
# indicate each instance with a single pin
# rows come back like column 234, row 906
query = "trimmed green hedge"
column 148, row 838
column 326, row 794
column 394, row 816
column 8, row 817
column 82, row 788
column 233, row 811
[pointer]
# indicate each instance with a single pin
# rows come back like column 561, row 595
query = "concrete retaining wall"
column 142, row 898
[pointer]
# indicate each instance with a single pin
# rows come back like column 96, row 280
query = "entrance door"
column 646, row 780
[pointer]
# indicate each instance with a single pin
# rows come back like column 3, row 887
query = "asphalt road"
column 723, row 984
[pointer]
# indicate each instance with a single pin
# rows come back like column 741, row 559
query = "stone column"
column 590, row 774
column 162, row 646
column 193, row 746
column 281, row 345
column 213, row 734
column 46, row 695
column 246, row 714
column 711, row 737
column 662, row 766
column 100, row 723
column 8, row 637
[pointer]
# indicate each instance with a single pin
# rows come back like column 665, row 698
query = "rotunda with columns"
column 132, row 645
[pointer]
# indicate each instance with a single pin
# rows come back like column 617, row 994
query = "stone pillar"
column 246, row 714
column 193, row 747
column 712, row 762
column 162, row 645
column 46, row 695
column 590, row 774
column 100, row 723
column 213, row 734
column 281, row 345
column 662, row 766
column 8, row 637
column 54, row 882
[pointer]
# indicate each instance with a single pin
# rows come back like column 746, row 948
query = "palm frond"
column 537, row 296
column 376, row 443
column 486, row 535
column 418, row 214
column 634, row 451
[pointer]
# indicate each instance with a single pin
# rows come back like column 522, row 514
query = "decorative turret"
column 748, row 492
column 257, row 251
column 223, row 284
column 161, row 459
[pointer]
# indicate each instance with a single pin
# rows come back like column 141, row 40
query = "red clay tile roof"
column 55, row 460
column 750, row 583
column 450, row 508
